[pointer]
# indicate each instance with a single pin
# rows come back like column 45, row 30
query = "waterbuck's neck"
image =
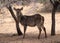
column 19, row 15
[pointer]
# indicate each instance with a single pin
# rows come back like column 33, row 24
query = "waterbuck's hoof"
column 20, row 34
column 45, row 36
column 38, row 37
column 23, row 37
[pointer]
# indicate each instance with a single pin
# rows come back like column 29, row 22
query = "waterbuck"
column 34, row 20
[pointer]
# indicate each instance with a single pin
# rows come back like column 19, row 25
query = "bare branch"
column 52, row 2
column 4, row 4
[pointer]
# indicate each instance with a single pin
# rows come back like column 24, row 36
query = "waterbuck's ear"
column 21, row 8
column 15, row 9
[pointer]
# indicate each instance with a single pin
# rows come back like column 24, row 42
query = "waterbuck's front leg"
column 25, row 27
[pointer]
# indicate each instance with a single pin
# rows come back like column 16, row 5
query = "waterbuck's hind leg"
column 39, row 32
column 44, row 31
column 25, row 27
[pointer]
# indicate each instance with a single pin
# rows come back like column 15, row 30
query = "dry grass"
column 29, row 39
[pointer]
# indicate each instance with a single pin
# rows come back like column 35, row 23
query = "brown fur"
column 34, row 20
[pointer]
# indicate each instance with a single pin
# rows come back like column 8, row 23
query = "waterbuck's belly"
column 28, row 22
column 31, row 24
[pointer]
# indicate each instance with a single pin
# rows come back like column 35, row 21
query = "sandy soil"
column 5, row 38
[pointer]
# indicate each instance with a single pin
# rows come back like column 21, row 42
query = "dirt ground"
column 5, row 38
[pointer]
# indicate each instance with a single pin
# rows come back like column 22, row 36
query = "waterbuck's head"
column 18, row 10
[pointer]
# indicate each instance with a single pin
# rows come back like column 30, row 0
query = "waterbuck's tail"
column 42, row 19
